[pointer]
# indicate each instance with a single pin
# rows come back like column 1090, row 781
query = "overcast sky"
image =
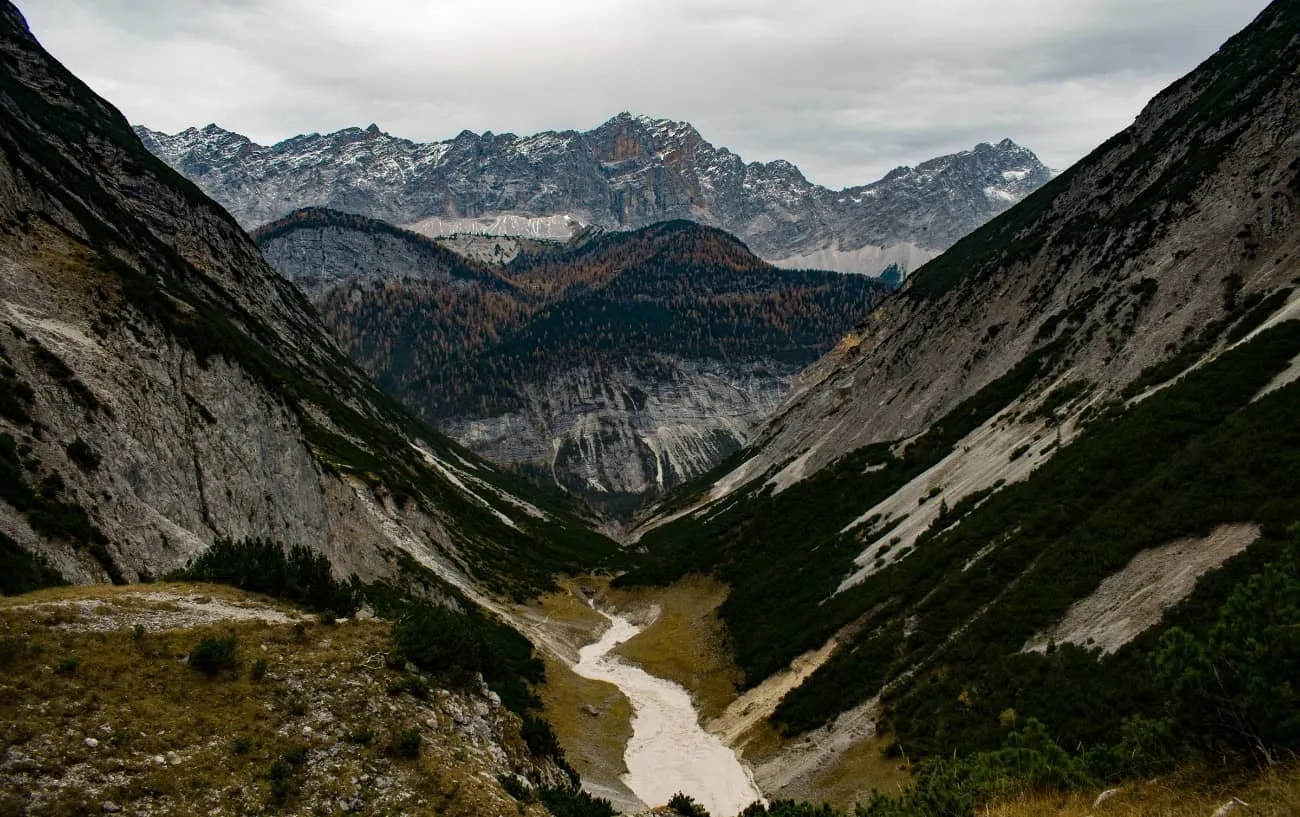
column 846, row 89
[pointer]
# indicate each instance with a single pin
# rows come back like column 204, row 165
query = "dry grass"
column 858, row 771
column 593, row 744
column 1189, row 793
column 685, row 643
column 131, row 593
column 94, row 716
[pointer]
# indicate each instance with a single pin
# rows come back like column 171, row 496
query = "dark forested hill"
column 617, row 365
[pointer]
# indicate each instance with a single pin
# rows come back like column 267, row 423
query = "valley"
column 369, row 512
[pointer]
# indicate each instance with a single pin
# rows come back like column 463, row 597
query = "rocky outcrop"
column 621, row 435
column 629, row 172
column 323, row 724
column 318, row 250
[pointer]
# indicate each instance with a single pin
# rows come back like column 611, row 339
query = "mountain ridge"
column 628, row 172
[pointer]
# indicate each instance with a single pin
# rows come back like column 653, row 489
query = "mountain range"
column 630, row 172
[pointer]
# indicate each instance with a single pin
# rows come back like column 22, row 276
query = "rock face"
column 629, row 172
column 161, row 386
column 617, row 366
column 320, row 250
column 1191, row 233
column 623, row 434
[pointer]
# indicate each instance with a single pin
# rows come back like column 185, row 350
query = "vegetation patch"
column 296, row 574
column 458, row 646
column 22, row 571
column 213, row 656
column 573, row 802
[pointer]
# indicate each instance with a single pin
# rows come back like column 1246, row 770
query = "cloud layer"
column 846, row 90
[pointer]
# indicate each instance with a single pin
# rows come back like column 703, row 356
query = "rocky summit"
column 629, row 172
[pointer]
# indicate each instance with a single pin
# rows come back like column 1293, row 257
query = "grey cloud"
column 846, row 90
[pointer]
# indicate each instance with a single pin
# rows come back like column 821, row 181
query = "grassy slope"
column 1190, row 792
column 685, row 643
column 315, row 732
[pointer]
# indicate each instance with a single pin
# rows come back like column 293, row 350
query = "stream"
column 669, row 751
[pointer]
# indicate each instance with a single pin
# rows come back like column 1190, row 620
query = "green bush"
column 361, row 736
column 405, row 743
column 212, row 656
column 571, row 801
column 1028, row 761
column 412, row 684
column 283, row 774
column 541, row 739
column 458, row 646
column 263, row 566
column 1235, row 689
column 83, row 455
column 685, row 805
column 517, row 788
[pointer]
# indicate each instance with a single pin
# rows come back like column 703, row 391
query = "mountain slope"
column 162, row 386
column 1094, row 383
column 630, row 172
column 617, row 366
